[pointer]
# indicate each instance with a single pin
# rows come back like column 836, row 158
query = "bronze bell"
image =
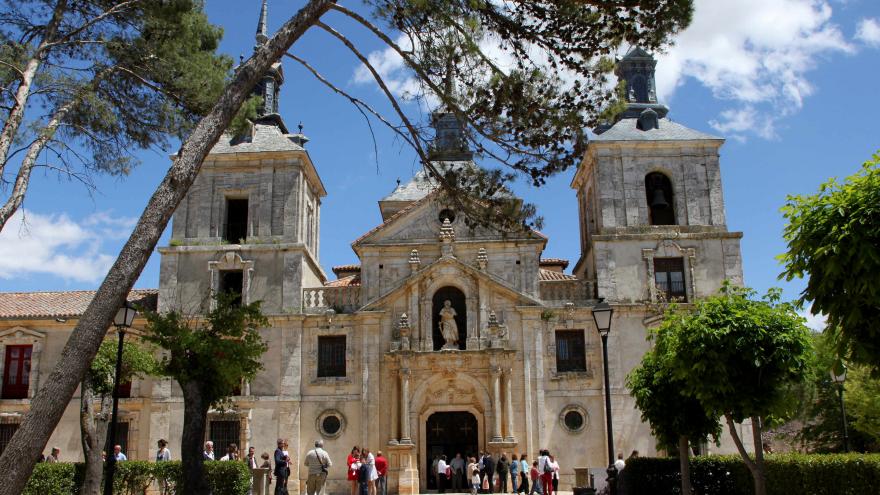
column 659, row 200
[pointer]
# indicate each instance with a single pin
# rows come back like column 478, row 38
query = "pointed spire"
column 262, row 29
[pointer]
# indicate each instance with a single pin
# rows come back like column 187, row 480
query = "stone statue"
column 448, row 327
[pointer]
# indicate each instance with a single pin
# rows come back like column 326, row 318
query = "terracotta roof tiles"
column 63, row 304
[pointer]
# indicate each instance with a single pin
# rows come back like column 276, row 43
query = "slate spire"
column 637, row 68
column 269, row 87
column 262, row 30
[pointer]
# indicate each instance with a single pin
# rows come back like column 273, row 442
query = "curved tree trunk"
column 93, row 430
column 48, row 405
column 195, row 418
column 684, row 460
column 760, row 480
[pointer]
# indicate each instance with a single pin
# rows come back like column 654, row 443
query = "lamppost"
column 602, row 316
column 123, row 320
column 839, row 379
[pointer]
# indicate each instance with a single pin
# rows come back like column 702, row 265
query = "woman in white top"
column 373, row 474
column 555, row 466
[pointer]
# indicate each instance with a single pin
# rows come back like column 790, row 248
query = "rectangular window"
column 570, row 351
column 125, row 390
column 331, row 356
column 669, row 278
column 121, row 438
column 232, row 281
column 236, row 220
column 17, row 371
column 222, row 433
column 6, row 432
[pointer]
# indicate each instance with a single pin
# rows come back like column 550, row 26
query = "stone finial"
column 493, row 319
column 414, row 260
column 447, row 237
column 482, row 258
column 403, row 323
column 403, row 330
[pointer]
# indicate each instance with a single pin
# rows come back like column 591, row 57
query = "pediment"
column 20, row 331
column 421, row 221
column 452, row 269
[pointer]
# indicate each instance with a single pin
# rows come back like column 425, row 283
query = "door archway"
column 449, row 433
column 455, row 296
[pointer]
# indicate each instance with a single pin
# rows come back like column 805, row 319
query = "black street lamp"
column 602, row 316
column 839, row 379
column 123, row 320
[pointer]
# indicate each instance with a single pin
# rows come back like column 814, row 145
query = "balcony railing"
column 339, row 299
column 559, row 292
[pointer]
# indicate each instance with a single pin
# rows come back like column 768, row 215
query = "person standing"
column 363, row 471
column 282, row 469
column 514, row 473
column 524, row 473
column 546, row 471
column 117, row 453
column 489, row 464
column 441, row 474
column 353, row 458
column 162, row 452
column 535, row 476
column 433, row 472
column 502, row 468
column 555, row 474
column 318, row 462
column 458, row 473
column 231, row 453
column 620, row 463
column 208, row 454
column 381, row 471
column 54, row 455
column 475, row 478
column 372, row 474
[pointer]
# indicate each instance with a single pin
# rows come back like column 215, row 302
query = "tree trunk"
column 93, row 429
column 48, row 405
column 684, row 461
column 757, row 471
column 195, row 417
column 760, row 480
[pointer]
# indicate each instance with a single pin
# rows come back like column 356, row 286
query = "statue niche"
column 449, row 328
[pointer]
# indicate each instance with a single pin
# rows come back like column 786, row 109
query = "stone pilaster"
column 508, row 405
column 405, row 437
column 496, row 404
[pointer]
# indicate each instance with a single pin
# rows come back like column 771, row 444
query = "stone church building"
column 371, row 357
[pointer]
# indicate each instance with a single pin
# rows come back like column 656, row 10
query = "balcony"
column 317, row 300
column 559, row 292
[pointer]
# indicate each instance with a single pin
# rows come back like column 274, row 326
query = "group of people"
column 55, row 454
column 486, row 474
column 367, row 473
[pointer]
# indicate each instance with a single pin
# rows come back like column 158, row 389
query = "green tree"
column 84, row 83
column 528, row 116
column 97, row 387
column 209, row 357
column 675, row 416
column 862, row 400
column 834, row 239
column 739, row 357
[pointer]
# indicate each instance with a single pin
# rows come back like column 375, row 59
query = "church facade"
column 444, row 338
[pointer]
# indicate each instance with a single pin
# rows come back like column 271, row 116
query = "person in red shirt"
column 353, row 458
column 381, row 469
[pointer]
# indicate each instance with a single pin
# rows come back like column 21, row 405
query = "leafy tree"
column 738, row 357
column 834, row 239
column 555, row 87
column 137, row 360
column 84, row 83
column 676, row 418
column 209, row 357
column 862, row 400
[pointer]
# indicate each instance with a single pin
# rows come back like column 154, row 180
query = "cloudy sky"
column 791, row 84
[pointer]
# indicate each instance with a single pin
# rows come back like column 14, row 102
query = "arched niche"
column 661, row 199
column 459, row 303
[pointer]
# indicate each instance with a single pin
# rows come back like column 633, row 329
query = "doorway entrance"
column 449, row 433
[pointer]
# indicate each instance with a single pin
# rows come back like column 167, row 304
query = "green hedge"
column 787, row 474
column 134, row 477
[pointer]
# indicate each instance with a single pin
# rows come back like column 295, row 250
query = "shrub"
column 134, row 477
column 787, row 474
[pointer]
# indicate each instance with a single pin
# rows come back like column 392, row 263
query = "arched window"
column 639, row 88
column 658, row 190
column 458, row 304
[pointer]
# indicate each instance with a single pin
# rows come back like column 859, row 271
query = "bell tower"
column 650, row 202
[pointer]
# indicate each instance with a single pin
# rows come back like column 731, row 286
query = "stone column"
column 395, row 425
column 496, row 403
column 405, row 437
column 508, row 405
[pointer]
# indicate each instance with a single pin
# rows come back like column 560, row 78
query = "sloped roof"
column 422, row 183
column 626, row 130
column 66, row 304
column 266, row 137
column 545, row 275
column 349, row 281
column 554, row 262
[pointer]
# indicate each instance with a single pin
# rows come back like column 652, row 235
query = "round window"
column 446, row 213
column 574, row 420
column 331, row 425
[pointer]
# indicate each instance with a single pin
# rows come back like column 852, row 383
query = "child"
column 266, row 464
column 475, row 481
column 533, row 475
column 363, row 470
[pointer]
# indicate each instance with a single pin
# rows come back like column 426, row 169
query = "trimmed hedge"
column 134, row 477
column 787, row 474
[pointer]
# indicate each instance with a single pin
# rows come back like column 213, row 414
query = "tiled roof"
column 626, row 130
column 554, row 262
column 346, row 269
column 67, row 304
column 265, row 138
column 349, row 281
column 422, row 184
column 553, row 276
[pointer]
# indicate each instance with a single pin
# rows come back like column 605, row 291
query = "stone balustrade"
column 339, row 299
column 559, row 292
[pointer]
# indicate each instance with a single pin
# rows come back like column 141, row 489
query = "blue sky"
column 791, row 84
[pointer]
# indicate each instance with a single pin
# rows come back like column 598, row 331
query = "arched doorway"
column 456, row 297
column 449, row 433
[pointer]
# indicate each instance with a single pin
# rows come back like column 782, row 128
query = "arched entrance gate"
column 449, row 433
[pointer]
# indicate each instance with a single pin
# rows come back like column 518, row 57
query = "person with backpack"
column 546, row 471
column 318, row 462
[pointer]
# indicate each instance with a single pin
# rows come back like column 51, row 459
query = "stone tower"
column 650, row 203
column 251, row 221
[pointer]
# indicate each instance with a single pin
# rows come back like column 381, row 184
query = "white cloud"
column 754, row 53
column 814, row 322
column 868, row 32
column 32, row 243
